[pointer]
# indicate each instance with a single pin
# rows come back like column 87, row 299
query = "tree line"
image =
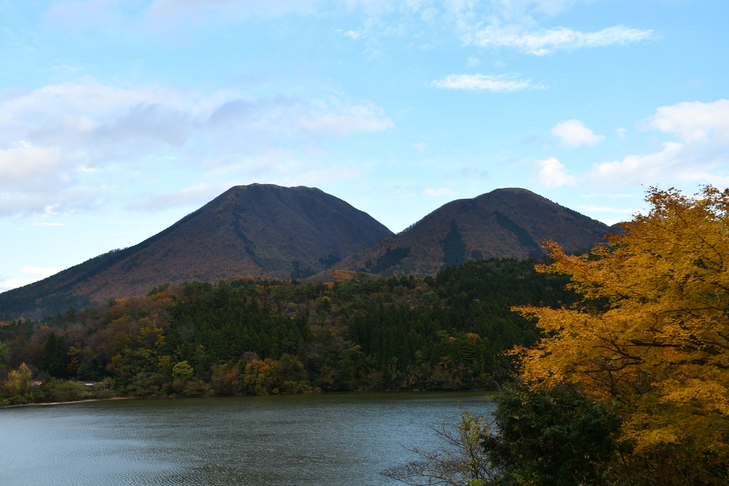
column 253, row 336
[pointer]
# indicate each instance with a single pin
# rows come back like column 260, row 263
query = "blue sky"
column 119, row 117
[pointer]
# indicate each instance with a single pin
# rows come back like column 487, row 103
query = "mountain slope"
column 258, row 230
column 505, row 223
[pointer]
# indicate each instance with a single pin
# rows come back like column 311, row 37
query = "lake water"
column 296, row 440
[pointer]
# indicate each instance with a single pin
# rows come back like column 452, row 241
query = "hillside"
column 258, row 230
column 243, row 336
column 505, row 223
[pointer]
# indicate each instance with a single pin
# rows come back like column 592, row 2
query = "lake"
column 316, row 439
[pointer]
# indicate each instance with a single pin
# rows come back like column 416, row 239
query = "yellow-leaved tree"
column 651, row 335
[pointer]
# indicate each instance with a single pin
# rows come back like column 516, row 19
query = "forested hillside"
column 261, row 230
column 504, row 223
column 269, row 336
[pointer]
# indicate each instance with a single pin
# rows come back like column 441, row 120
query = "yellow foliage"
column 20, row 380
column 343, row 275
column 652, row 332
column 473, row 337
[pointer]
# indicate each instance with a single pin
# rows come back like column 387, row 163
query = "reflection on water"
column 321, row 439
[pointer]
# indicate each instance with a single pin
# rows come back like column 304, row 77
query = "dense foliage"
column 552, row 437
column 651, row 336
column 630, row 385
column 556, row 437
column 247, row 336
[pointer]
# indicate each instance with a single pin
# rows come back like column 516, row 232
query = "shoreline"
column 41, row 404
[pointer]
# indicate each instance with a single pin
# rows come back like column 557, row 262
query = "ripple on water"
column 323, row 439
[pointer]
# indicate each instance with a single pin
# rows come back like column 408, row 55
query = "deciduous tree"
column 651, row 334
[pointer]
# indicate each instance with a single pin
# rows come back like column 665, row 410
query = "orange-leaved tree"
column 651, row 335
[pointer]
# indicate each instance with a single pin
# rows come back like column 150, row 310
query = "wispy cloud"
column 353, row 34
column 53, row 137
column 547, row 41
column 502, row 83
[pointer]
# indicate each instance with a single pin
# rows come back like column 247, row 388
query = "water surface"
column 296, row 440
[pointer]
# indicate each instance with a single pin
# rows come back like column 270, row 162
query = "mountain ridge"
column 258, row 230
column 504, row 223
column 268, row 231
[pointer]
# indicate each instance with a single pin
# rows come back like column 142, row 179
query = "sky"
column 119, row 117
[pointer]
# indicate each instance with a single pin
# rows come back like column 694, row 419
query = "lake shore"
column 39, row 404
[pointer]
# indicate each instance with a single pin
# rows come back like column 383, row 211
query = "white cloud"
column 502, row 83
column 36, row 197
column 420, row 147
column 608, row 214
column 54, row 137
column 552, row 174
column 621, row 132
column 573, row 134
column 612, row 196
column 693, row 121
column 606, row 209
column 293, row 117
column 443, row 191
column 700, row 157
column 509, row 23
column 642, row 169
column 326, row 120
column 38, row 272
column 24, row 163
column 354, row 34
column 547, row 41
column 15, row 283
column 472, row 61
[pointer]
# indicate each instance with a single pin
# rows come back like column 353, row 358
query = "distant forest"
column 247, row 336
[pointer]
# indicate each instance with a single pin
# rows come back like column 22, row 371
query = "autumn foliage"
column 651, row 336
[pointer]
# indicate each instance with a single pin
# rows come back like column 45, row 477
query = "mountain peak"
column 261, row 230
column 504, row 223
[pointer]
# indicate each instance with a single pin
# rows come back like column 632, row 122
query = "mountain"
column 259, row 230
column 505, row 223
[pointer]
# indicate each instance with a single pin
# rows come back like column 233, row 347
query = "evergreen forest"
column 248, row 336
